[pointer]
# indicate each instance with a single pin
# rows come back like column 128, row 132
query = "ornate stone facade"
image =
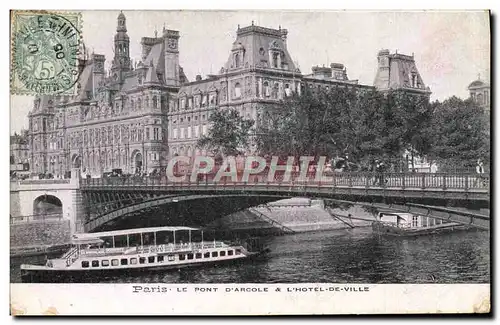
column 136, row 117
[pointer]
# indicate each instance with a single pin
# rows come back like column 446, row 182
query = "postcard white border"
column 450, row 294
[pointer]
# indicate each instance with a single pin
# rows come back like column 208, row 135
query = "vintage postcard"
column 265, row 162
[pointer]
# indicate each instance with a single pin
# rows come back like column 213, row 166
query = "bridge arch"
column 47, row 205
column 243, row 202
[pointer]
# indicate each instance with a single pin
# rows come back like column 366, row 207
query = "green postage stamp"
column 45, row 47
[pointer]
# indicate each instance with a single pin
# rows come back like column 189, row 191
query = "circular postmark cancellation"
column 45, row 53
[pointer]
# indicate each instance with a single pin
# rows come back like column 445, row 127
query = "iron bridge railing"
column 420, row 181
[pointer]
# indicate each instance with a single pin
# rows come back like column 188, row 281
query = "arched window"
column 236, row 60
column 237, row 90
column 480, row 99
column 155, row 103
column 275, row 59
column 275, row 91
column 266, row 89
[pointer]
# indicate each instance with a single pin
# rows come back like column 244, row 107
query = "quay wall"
column 49, row 232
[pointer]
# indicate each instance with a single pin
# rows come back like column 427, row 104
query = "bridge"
column 106, row 203
column 152, row 200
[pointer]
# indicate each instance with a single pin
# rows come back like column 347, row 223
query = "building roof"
column 478, row 84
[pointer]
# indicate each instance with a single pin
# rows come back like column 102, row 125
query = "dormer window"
column 267, row 92
column 237, row 90
column 236, row 60
column 275, row 60
column 414, row 80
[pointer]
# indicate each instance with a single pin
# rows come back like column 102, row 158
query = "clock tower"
column 121, row 59
column 171, row 39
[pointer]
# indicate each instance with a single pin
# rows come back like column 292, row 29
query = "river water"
column 341, row 256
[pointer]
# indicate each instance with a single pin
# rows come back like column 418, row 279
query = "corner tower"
column 121, row 59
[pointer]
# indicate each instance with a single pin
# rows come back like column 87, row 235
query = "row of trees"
column 364, row 125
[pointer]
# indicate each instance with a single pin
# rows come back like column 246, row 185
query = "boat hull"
column 388, row 230
column 48, row 275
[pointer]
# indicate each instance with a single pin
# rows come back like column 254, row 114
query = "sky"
column 451, row 48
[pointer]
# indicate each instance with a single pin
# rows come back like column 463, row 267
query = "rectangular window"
column 133, row 261
column 175, row 134
column 114, row 262
column 182, row 133
column 161, row 258
column 206, row 255
column 182, row 257
column 205, row 130
column 415, row 221
column 238, row 251
column 104, row 263
column 124, row 261
column 190, row 256
column 197, row 131
column 155, row 134
column 223, row 253
column 151, row 259
column 198, row 255
column 189, row 132
column 85, row 264
column 215, row 254
column 95, row 263
column 190, row 103
column 147, row 134
column 171, row 258
column 142, row 260
column 204, row 100
column 230, row 252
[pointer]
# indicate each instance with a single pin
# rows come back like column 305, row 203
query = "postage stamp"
column 44, row 52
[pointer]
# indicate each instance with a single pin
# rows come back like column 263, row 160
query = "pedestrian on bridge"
column 480, row 172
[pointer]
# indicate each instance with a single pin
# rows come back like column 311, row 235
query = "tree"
column 229, row 133
column 460, row 133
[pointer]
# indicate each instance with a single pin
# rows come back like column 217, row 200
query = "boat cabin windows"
column 95, row 263
column 114, row 262
column 198, row 255
column 414, row 221
column 238, row 251
column 223, row 253
column 171, row 258
column 133, row 261
column 85, row 264
column 215, row 254
column 182, row 257
column 105, row 262
column 206, row 255
column 230, row 252
column 124, row 261
column 161, row 258
column 151, row 259
column 107, row 242
column 142, row 260
column 190, row 256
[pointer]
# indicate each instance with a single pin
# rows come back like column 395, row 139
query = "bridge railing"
column 345, row 179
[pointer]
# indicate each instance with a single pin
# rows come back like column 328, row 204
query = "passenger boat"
column 137, row 250
column 407, row 224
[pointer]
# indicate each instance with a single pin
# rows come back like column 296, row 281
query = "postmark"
column 44, row 52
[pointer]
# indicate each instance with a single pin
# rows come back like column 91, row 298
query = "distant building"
column 19, row 152
column 479, row 91
column 136, row 116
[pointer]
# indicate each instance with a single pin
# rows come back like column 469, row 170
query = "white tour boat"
column 137, row 250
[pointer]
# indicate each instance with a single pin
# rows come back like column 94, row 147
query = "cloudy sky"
column 451, row 47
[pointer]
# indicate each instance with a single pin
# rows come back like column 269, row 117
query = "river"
column 341, row 256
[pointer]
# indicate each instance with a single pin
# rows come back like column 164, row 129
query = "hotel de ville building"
column 135, row 117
